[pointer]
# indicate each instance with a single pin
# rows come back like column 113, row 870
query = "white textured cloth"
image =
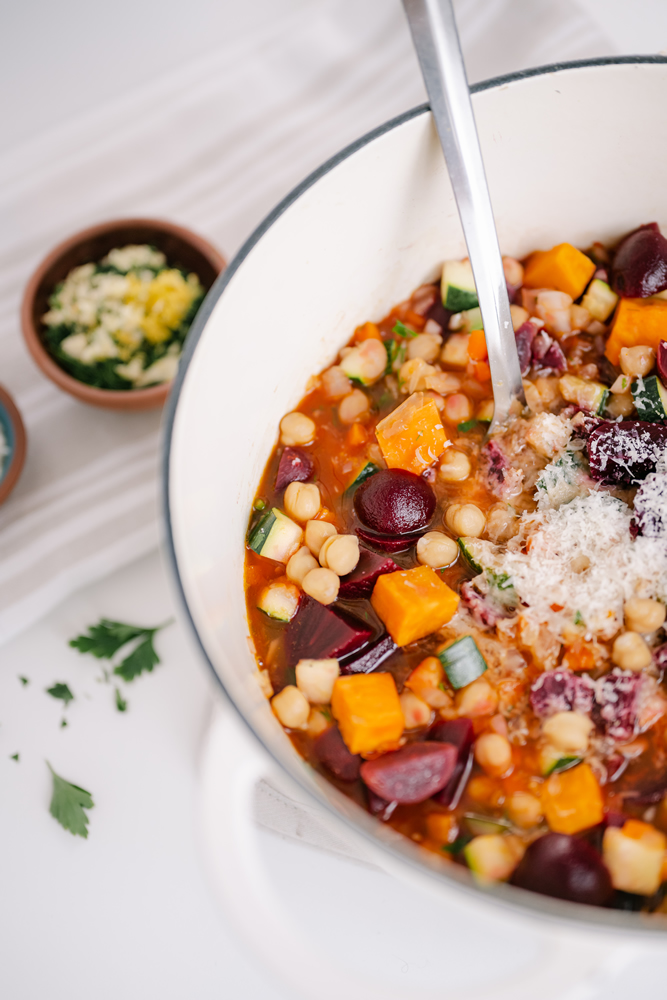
column 212, row 145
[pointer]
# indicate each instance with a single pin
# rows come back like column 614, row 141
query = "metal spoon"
column 438, row 49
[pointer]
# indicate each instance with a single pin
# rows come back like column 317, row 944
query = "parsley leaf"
column 61, row 691
column 395, row 355
column 15, row 757
column 68, row 803
column 24, row 681
column 121, row 704
column 402, row 330
column 466, row 425
column 143, row 657
column 106, row 638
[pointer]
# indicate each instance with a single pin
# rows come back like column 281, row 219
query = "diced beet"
column 541, row 345
column 424, row 299
column 625, row 453
column 560, row 690
column 320, row 632
column 525, row 336
column 370, row 657
column 379, row 806
column 295, row 466
column 330, row 750
column 602, row 274
column 484, row 610
column 617, row 699
column 461, row 734
column 650, row 505
column 612, row 818
column 387, row 543
column 640, row 263
column 647, row 792
column 502, row 477
column 583, row 423
column 395, row 502
column 412, row 774
column 554, row 359
column 565, row 867
column 662, row 360
column 360, row 582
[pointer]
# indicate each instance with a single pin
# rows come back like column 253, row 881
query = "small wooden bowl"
column 181, row 247
column 14, row 431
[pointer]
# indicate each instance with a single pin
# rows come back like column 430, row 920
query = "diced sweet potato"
column 412, row 436
column 368, row 711
column 563, row 267
column 572, row 800
column 413, row 603
column 368, row 331
column 637, row 321
column 477, row 346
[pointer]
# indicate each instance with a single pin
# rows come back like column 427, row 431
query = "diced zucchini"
column 479, row 825
column 599, row 300
column 650, row 397
column 279, row 600
column 552, row 761
column 472, row 319
column 591, row 396
column 458, row 286
column 562, row 480
column 462, row 661
column 479, row 553
column 275, row 536
column 367, row 470
column 455, row 351
column 492, row 856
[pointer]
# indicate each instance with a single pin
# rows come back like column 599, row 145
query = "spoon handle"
column 438, row 49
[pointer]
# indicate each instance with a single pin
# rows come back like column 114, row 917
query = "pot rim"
column 520, row 901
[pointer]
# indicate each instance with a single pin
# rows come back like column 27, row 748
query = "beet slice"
column 370, row 657
column 360, row 582
column 412, row 774
column 330, row 750
column 565, row 867
column 295, row 466
column 560, row 690
column 618, row 697
column 640, row 264
column 395, row 502
column 624, row 453
column 387, row 543
column 460, row 734
column 320, row 632
column 525, row 336
column 662, row 360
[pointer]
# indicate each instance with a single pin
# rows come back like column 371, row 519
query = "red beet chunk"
column 370, row 657
column 412, row 774
column 330, row 750
column 640, row 264
column 649, row 517
column 360, row 582
column 295, row 466
column 482, row 607
column 561, row 691
column 565, row 867
column 624, row 453
column 662, row 360
column 525, row 336
column 320, row 632
column 617, row 703
column 395, row 502
column 460, row 734
column 387, row 543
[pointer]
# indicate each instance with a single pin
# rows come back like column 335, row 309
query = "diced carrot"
column 368, row 711
column 481, row 371
column 415, row 320
column 368, row 331
column 581, row 655
column 356, row 435
column 440, row 827
column 412, row 436
column 477, row 346
column 563, row 267
column 413, row 603
column 427, row 681
column 572, row 800
column 637, row 321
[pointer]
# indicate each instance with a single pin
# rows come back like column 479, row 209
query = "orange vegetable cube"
column 367, row 710
column 412, row 603
column 441, row 827
column 563, row 267
column 572, row 800
column 477, row 346
column 412, row 436
column 637, row 321
column 368, row 331
column 356, row 436
column 481, row 371
column 427, row 681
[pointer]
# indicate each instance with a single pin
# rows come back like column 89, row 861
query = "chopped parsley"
column 121, row 704
column 106, row 638
column 24, row 681
column 15, row 757
column 395, row 355
column 467, row 425
column 457, row 845
column 68, row 803
column 62, row 692
column 402, row 330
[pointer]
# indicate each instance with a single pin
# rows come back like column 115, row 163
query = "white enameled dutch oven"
column 573, row 152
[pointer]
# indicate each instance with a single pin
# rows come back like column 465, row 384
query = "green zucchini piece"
column 650, row 398
column 590, row 396
column 279, row 600
column 562, row 764
column 472, row 319
column 367, row 470
column 479, row 825
column 599, row 300
column 275, row 536
column 463, row 662
column 458, row 286
column 478, row 553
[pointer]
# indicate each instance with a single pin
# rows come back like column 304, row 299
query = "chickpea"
column 455, row 352
column 296, row 428
column 454, row 466
column 643, row 615
column 302, row 501
column 465, row 519
column 637, row 360
column 316, row 534
column 335, row 383
column 325, row 548
column 353, row 407
column 318, row 722
column 630, row 652
column 513, row 271
column 366, row 362
column 621, row 404
column 416, row 712
column 476, row 700
column 322, row 585
column 524, row 810
column 493, row 753
column 568, row 731
column 457, row 408
column 425, row 346
column 301, row 563
column 315, row 679
column 436, row 549
column 501, row 523
column 342, row 554
column 485, row 410
column 519, row 316
column 291, row 708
